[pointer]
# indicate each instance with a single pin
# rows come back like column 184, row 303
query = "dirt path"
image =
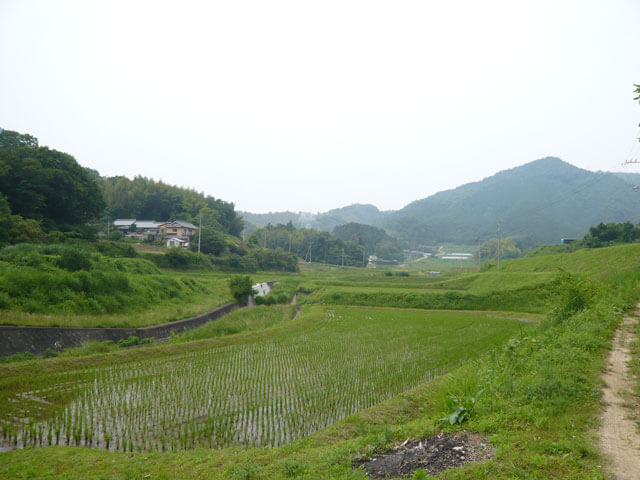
column 619, row 436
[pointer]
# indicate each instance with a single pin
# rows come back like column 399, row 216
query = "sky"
column 309, row 106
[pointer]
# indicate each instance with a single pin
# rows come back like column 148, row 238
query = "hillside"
column 357, row 213
column 539, row 202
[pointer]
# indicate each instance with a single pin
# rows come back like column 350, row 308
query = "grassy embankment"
column 70, row 285
column 539, row 407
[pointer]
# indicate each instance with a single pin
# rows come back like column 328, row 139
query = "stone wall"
column 37, row 339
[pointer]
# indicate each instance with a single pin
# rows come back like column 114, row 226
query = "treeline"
column 146, row 199
column 601, row 235
column 606, row 234
column 44, row 194
column 374, row 240
column 307, row 243
column 320, row 246
column 241, row 260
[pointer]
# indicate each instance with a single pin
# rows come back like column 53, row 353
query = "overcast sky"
column 316, row 105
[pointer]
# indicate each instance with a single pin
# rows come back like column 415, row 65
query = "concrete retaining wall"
column 37, row 339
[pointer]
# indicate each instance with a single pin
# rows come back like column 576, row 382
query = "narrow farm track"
column 619, row 436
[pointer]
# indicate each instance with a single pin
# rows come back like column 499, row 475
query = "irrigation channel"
column 264, row 393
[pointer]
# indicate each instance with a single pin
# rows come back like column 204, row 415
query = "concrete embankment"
column 16, row 339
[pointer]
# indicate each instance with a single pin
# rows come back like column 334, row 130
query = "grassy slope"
column 210, row 291
column 597, row 263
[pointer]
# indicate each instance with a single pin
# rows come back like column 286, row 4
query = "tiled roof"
column 123, row 222
column 180, row 223
column 148, row 224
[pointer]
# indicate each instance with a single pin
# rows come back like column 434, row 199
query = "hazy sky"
column 315, row 105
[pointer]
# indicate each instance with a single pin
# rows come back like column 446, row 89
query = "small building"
column 567, row 241
column 176, row 242
column 372, row 261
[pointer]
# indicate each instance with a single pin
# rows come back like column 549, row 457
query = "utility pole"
column 289, row 242
column 478, row 250
column 199, row 232
column 264, row 242
column 499, row 243
column 343, row 256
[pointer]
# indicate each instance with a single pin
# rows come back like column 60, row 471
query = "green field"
column 268, row 390
column 265, row 393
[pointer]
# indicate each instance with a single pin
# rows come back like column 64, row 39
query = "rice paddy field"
column 268, row 391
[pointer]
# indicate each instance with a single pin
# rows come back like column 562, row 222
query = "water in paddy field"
column 265, row 393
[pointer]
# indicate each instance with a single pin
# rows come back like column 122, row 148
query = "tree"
column 489, row 249
column 211, row 241
column 241, row 288
column 46, row 185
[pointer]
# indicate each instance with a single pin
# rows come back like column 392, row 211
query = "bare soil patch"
column 433, row 454
column 619, row 437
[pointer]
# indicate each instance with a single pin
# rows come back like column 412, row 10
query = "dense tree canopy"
column 375, row 240
column 147, row 199
column 605, row 234
column 310, row 244
column 46, row 185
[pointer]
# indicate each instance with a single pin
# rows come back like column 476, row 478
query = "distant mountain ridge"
column 536, row 203
column 539, row 202
column 356, row 213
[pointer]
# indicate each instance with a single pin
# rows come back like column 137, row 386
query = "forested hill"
column 45, row 195
column 356, row 213
column 539, row 202
column 146, row 199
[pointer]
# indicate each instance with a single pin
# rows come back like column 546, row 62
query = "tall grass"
column 65, row 281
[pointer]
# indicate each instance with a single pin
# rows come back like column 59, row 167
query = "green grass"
column 597, row 263
column 72, row 285
column 245, row 319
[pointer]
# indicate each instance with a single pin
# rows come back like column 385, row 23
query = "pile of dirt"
column 433, row 454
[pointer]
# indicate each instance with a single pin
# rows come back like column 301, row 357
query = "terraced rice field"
column 265, row 388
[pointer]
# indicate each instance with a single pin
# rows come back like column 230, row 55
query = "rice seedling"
column 254, row 391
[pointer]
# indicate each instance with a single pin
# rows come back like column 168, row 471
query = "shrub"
column 241, row 287
column 572, row 295
column 74, row 259
column 50, row 353
column 18, row 357
column 5, row 301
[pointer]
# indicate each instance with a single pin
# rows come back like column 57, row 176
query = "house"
column 176, row 242
column 124, row 224
column 178, row 228
column 138, row 229
column 372, row 261
column 175, row 234
column 148, row 227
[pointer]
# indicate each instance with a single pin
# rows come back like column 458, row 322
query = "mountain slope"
column 539, row 202
column 356, row 213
